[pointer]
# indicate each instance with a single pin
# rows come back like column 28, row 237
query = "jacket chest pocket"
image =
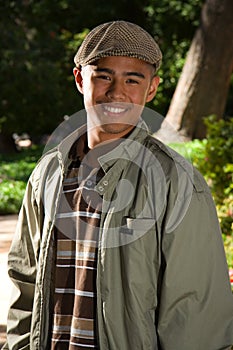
column 117, row 233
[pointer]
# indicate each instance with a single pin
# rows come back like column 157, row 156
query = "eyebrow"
column 128, row 74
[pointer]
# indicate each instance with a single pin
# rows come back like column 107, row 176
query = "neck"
column 96, row 137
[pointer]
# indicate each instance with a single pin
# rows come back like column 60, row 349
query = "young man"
column 118, row 244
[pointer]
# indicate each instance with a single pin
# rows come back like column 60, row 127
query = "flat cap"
column 118, row 38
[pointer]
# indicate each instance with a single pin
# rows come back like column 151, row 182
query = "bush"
column 15, row 170
column 11, row 195
column 218, row 168
column 214, row 158
column 228, row 245
column 194, row 151
column 218, row 165
column 18, row 170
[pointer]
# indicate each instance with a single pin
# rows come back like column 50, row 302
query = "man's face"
column 115, row 89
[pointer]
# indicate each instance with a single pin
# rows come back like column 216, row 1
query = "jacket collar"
column 136, row 137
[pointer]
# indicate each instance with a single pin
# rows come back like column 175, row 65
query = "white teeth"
column 114, row 110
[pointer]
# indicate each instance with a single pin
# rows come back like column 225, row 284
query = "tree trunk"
column 203, row 85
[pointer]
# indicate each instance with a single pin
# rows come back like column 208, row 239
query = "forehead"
column 123, row 64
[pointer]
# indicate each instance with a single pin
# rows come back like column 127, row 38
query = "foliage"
column 11, row 195
column 218, row 167
column 214, row 158
column 14, row 173
column 18, row 166
column 173, row 23
column 39, row 40
column 17, row 170
column 228, row 244
column 219, row 156
column 225, row 215
column 37, row 92
column 194, row 151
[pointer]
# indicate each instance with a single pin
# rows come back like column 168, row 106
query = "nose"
column 116, row 91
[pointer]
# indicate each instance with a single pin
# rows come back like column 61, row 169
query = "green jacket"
column 162, row 277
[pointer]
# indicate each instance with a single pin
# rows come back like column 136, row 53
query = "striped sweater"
column 77, row 228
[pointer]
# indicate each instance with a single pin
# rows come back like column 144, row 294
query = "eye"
column 103, row 77
column 132, row 81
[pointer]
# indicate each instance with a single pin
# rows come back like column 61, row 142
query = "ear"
column 78, row 79
column 153, row 88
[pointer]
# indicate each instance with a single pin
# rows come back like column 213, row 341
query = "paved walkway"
column 7, row 229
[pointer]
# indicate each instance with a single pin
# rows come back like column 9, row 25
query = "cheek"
column 139, row 97
column 93, row 89
column 87, row 97
column 88, row 91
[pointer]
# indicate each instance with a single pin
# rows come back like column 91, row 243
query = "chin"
column 116, row 128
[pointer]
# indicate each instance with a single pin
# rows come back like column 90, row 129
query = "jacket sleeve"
column 22, row 268
column 196, row 302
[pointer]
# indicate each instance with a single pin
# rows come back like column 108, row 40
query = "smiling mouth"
column 110, row 110
column 113, row 110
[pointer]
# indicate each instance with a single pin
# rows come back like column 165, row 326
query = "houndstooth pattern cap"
column 118, row 38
